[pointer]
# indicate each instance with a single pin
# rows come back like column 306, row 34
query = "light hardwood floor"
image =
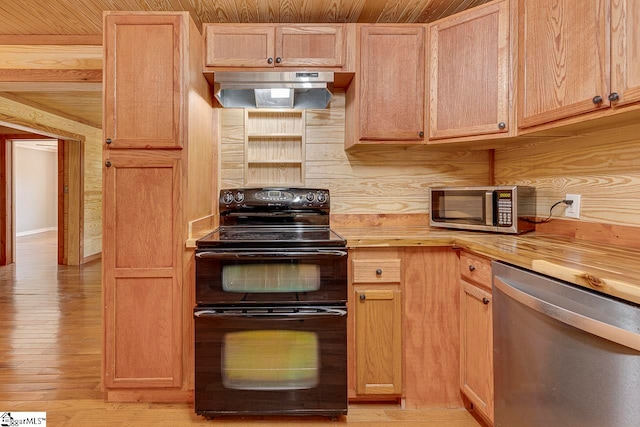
column 50, row 338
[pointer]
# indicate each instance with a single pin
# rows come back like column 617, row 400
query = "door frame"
column 70, row 169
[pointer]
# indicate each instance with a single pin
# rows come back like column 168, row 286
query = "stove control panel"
column 276, row 198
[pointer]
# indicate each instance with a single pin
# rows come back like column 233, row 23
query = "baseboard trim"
column 36, row 231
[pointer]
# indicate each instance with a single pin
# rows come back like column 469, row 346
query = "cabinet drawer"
column 476, row 268
column 376, row 271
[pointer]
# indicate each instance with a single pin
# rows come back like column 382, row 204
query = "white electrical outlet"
column 573, row 211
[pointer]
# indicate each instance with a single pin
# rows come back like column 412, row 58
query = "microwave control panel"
column 505, row 208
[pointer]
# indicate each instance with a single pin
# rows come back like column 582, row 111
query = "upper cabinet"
column 625, row 52
column 469, row 74
column 143, row 90
column 386, row 99
column 576, row 58
column 268, row 45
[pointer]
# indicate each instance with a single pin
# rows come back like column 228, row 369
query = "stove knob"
column 322, row 197
column 227, row 198
column 239, row 197
column 310, row 197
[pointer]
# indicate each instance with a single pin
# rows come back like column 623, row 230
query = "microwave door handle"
column 270, row 254
column 488, row 207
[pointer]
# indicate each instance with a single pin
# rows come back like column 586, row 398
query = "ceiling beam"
column 51, row 39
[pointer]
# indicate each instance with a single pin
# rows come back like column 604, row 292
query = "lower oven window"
column 270, row 360
column 271, row 277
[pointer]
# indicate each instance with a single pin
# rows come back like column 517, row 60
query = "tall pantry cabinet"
column 158, row 138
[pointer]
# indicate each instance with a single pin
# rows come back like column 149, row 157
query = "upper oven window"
column 271, row 277
column 270, row 360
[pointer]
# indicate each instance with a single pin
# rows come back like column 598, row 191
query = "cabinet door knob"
column 597, row 100
column 107, row 164
column 502, row 125
column 472, row 267
column 108, row 141
column 485, row 300
column 613, row 96
column 278, row 60
column 363, row 297
column 379, row 272
column 421, row 134
column 270, row 61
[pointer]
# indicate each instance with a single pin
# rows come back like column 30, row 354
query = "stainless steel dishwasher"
column 564, row 356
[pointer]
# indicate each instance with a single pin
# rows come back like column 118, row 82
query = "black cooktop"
column 273, row 237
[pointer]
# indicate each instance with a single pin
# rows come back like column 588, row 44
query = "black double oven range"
column 271, row 316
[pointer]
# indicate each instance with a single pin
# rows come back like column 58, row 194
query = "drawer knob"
column 107, row 164
column 363, row 297
column 613, row 97
column 485, row 300
column 472, row 267
column 379, row 272
column 597, row 100
column 270, row 61
column 108, row 141
column 502, row 125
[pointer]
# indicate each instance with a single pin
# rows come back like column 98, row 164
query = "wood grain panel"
column 476, row 347
column 564, row 59
column 143, row 309
column 625, row 66
column 84, row 17
column 374, row 180
column 150, row 229
column 432, row 354
column 602, row 166
column 145, row 112
column 378, row 340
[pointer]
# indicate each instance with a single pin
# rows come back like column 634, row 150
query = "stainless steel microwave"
column 499, row 209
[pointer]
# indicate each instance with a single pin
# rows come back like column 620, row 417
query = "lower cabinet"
column 476, row 334
column 375, row 324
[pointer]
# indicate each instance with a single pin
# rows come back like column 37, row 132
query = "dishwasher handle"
column 587, row 324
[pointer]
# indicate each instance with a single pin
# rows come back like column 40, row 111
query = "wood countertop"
column 612, row 270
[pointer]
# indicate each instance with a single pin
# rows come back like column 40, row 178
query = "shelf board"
column 292, row 161
column 273, row 135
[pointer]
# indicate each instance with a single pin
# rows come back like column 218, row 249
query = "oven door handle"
column 270, row 254
column 293, row 315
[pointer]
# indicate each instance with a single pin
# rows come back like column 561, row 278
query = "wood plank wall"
column 365, row 180
column 603, row 167
column 32, row 117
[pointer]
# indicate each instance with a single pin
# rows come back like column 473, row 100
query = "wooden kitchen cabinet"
column 577, row 59
column 470, row 74
column 142, row 96
column 476, row 333
column 142, row 268
column 158, row 139
column 375, row 325
column 386, row 99
column 268, row 46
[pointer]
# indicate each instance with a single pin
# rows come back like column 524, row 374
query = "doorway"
column 66, row 196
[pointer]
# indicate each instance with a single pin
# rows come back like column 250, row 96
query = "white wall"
column 36, row 183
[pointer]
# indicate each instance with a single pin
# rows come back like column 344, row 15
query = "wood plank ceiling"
column 73, row 18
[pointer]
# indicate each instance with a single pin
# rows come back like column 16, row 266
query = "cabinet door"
column 310, row 45
column 142, row 270
column 565, row 60
column 469, row 73
column 143, row 76
column 476, row 348
column 392, row 76
column 625, row 51
column 378, row 341
column 239, row 46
